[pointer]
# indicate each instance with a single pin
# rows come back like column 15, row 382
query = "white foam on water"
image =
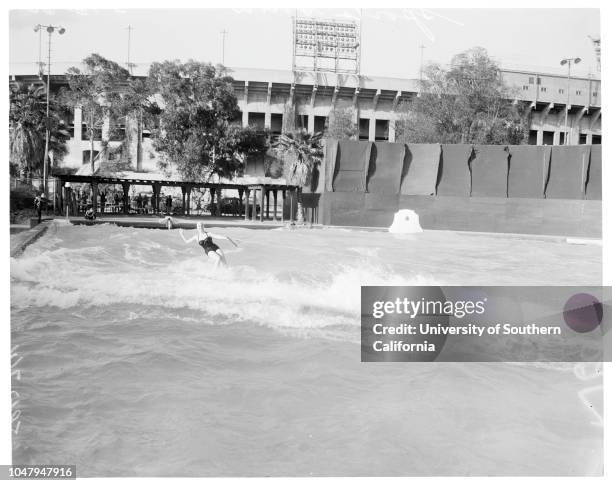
column 145, row 272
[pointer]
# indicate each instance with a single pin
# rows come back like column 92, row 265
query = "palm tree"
column 26, row 139
column 27, row 122
column 301, row 152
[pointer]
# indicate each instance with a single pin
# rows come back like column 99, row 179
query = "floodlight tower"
column 568, row 61
column 50, row 29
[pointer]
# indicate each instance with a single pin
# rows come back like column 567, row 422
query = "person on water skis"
column 205, row 240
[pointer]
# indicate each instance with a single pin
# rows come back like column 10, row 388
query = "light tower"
column 50, row 30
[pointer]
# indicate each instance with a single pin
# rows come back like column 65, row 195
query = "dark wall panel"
column 593, row 188
column 421, row 169
column 578, row 218
column 386, row 165
column 528, row 173
column 343, row 208
column 454, row 173
column 331, row 152
column 489, row 169
column 352, row 163
column 568, row 169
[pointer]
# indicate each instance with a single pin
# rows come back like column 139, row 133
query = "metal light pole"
column 569, row 62
column 223, row 34
column 50, row 30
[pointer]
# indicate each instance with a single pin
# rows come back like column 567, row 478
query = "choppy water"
column 137, row 359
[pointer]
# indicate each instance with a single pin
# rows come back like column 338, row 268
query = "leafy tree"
column 98, row 90
column 197, row 133
column 301, row 152
column 341, row 124
column 237, row 145
column 466, row 103
column 27, row 122
column 140, row 111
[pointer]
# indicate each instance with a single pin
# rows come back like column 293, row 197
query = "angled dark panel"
column 454, row 173
column 569, row 166
column 352, row 163
column 489, row 169
column 593, row 187
column 528, row 170
column 386, row 164
column 421, row 169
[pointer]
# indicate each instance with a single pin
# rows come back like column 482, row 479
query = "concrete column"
column 61, row 196
column 589, row 138
column 254, row 214
column 540, row 137
column 268, row 112
column 188, row 193
column 78, row 123
column 240, row 196
column 94, row 196
column 219, row 199
column 372, row 130
column 291, row 204
column 156, row 191
column 275, row 196
column 262, row 208
column 283, row 206
column 392, row 130
column 246, row 203
column 311, row 123
column 212, row 201
column 575, row 127
column 126, row 197
column 557, row 137
column 267, row 204
column 245, row 111
column 184, row 193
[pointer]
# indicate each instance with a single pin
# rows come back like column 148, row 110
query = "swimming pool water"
column 139, row 360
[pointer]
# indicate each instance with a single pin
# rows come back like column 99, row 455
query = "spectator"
column 117, row 201
column 102, row 201
column 139, row 203
column 145, row 202
column 169, row 204
column 89, row 214
column 38, row 202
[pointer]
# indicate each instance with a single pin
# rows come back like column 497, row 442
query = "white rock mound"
column 405, row 221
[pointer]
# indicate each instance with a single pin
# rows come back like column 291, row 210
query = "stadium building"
column 264, row 96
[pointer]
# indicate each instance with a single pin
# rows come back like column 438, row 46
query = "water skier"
column 205, row 240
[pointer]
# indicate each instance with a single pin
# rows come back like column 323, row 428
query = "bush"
column 22, row 198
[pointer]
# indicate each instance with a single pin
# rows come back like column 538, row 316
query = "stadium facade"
column 264, row 95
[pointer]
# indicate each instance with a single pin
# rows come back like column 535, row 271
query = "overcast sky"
column 261, row 38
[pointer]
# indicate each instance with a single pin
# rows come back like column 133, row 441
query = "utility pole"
column 129, row 64
column 223, row 34
column 41, row 71
column 50, row 30
column 569, row 62
column 422, row 47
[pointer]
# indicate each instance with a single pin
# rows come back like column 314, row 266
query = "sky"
column 532, row 39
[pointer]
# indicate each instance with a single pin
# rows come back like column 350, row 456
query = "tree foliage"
column 28, row 122
column 301, row 152
column 196, row 133
column 466, row 103
column 99, row 90
column 341, row 124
